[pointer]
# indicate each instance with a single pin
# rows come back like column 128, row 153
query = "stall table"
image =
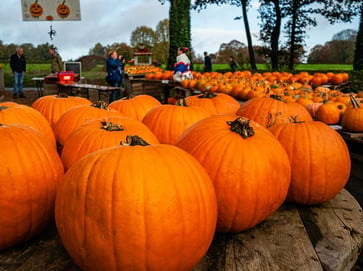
column 39, row 81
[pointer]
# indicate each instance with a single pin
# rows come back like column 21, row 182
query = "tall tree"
column 142, row 34
column 202, row 4
column 161, row 43
column 358, row 54
column 179, row 28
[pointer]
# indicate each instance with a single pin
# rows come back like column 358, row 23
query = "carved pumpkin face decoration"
column 35, row 9
column 63, row 10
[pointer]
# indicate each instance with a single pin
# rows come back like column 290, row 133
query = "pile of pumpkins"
column 138, row 185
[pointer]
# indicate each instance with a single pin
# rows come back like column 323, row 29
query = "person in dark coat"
column 114, row 66
column 18, row 66
column 207, row 63
column 232, row 63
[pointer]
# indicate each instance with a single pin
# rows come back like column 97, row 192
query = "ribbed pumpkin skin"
column 90, row 137
column 352, row 120
column 265, row 111
column 76, row 116
column 168, row 122
column 320, row 161
column 251, row 176
column 220, row 104
column 53, row 106
column 22, row 114
column 136, row 208
column 136, row 107
column 28, row 179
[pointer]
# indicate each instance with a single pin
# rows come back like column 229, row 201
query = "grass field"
column 40, row 70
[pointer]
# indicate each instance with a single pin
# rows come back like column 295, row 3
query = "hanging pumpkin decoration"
column 63, row 10
column 35, row 9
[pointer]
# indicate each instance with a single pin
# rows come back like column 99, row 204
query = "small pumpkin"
column 136, row 207
column 352, row 119
column 35, row 9
column 63, row 10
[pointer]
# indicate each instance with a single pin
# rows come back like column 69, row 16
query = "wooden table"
column 325, row 237
column 85, row 89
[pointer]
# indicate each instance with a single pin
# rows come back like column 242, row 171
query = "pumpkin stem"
column 276, row 97
column 207, row 94
column 100, row 105
column 354, row 102
column 62, row 95
column 134, row 140
column 130, row 96
column 293, row 119
column 241, row 126
column 109, row 126
column 3, row 107
column 181, row 102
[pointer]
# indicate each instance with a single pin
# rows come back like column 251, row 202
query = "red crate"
column 66, row 77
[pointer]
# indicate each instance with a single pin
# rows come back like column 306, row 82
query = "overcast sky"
column 113, row 21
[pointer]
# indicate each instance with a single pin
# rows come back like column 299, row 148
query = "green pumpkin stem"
column 241, row 126
column 181, row 102
column 109, row 126
column 207, row 94
column 354, row 102
column 293, row 119
column 3, row 107
column 100, row 105
column 134, row 140
column 276, row 97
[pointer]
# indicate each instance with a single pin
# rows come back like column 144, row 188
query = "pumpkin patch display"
column 319, row 158
column 168, row 121
column 136, row 207
column 249, row 168
column 98, row 134
column 28, row 180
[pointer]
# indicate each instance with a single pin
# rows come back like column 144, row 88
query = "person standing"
column 182, row 65
column 114, row 66
column 232, row 63
column 56, row 63
column 18, row 66
column 207, row 63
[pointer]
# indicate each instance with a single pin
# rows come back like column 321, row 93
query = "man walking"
column 207, row 63
column 18, row 66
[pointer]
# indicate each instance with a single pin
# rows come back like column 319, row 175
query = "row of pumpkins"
column 137, row 185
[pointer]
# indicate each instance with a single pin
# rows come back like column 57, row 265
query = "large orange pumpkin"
column 98, row 134
column 53, row 106
column 136, row 208
column 298, row 111
column 29, row 173
column 319, row 159
column 215, row 103
column 249, row 168
column 168, row 121
column 135, row 107
column 11, row 113
column 266, row 111
column 76, row 116
column 352, row 119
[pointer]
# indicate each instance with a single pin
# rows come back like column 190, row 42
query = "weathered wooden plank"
column 279, row 243
column 336, row 231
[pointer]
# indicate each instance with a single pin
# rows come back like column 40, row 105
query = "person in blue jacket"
column 114, row 66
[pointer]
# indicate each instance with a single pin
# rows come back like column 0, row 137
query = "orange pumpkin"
column 266, row 111
column 63, row 10
column 53, row 106
column 98, row 134
column 136, row 207
column 13, row 113
column 76, row 116
column 320, row 161
column 330, row 113
column 298, row 112
column 29, row 173
column 35, row 9
column 215, row 103
column 135, row 107
column 168, row 121
column 352, row 119
column 240, row 156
